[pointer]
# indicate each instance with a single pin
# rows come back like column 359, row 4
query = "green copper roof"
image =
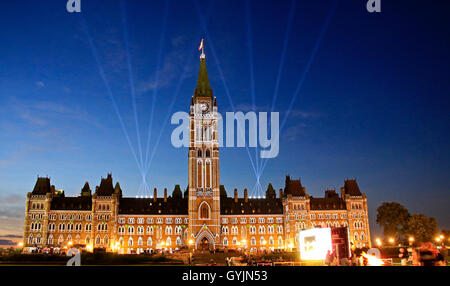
column 203, row 88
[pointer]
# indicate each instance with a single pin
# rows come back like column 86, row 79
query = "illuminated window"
column 50, row 239
column 204, row 211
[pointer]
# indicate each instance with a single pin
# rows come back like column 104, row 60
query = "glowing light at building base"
column 315, row 243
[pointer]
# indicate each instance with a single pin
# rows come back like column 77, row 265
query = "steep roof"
column 83, row 203
column 106, row 187
column 327, row 203
column 253, row 206
column 42, row 186
column 331, row 201
column 86, row 190
column 293, row 187
column 203, row 87
column 351, row 187
column 173, row 206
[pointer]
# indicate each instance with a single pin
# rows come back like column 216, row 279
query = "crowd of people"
column 426, row 254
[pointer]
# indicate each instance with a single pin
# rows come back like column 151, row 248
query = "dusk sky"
column 372, row 99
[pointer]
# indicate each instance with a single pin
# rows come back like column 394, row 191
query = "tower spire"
column 203, row 88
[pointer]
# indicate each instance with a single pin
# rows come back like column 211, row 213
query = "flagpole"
column 203, row 46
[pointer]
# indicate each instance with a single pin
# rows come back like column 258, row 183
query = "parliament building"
column 203, row 217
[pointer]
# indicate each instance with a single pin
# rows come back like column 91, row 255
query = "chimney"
column 281, row 193
column 165, row 195
column 235, row 196
column 155, row 194
column 245, row 195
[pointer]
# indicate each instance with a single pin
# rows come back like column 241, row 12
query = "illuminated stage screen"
column 314, row 243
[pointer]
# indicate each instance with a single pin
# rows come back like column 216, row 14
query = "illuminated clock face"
column 203, row 107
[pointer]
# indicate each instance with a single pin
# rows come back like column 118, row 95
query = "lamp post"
column 411, row 240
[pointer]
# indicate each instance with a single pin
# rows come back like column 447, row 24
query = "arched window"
column 149, row 241
column 140, row 241
column 121, row 241
column 178, row 240
column 130, row 241
column 204, row 211
column 280, row 240
column 168, row 241
column 199, row 153
column 105, row 240
column 262, row 240
column 225, row 229
column 253, row 240
column 98, row 240
column 50, row 239
column 225, row 241
column 271, row 241
column 30, row 239
column 87, row 240
column 208, row 153
column 235, row 241
column 356, row 236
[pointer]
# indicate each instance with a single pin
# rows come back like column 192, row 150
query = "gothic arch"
column 205, row 234
column 204, row 211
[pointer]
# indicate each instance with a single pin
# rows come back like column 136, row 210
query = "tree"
column 422, row 228
column 270, row 192
column 393, row 217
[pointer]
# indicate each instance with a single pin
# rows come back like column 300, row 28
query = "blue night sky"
column 372, row 100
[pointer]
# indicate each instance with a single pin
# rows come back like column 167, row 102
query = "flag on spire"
column 201, row 46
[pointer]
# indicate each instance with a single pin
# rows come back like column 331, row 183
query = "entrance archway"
column 205, row 241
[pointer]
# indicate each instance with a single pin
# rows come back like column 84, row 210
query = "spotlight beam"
column 227, row 92
column 177, row 89
column 155, row 89
column 131, row 79
column 108, row 88
column 282, row 59
column 169, row 111
column 308, row 66
column 251, row 68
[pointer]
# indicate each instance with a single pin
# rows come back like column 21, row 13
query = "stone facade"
column 202, row 217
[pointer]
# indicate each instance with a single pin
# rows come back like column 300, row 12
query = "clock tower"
column 204, row 194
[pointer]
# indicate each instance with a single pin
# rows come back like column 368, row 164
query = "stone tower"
column 204, row 194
